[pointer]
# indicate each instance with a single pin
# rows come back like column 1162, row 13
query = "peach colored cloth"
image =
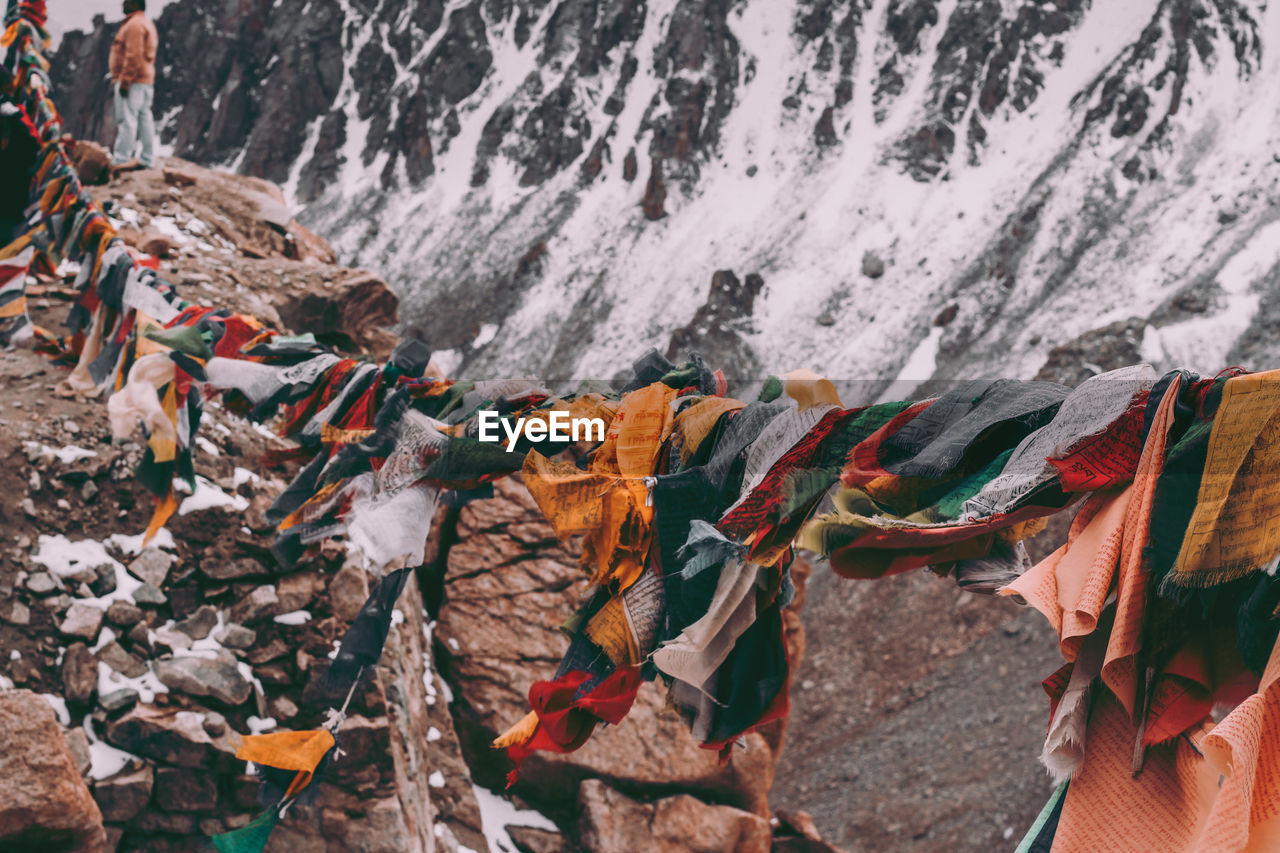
column 1107, row 810
column 1245, row 749
column 1227, row 801
column 1071, row 586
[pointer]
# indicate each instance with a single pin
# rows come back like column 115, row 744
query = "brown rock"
column 123, row 796
column 180, row 789
column 44, row 803
column 528, row 839
column 343, row 311
column 79, row 674
column 795, row 832
column 177, row 176
column 348, row 591
column 92, row 162
column 168, row 823
column 123, row 614
column 824, row 132
column 225, row 570
column 276, row 648
column 261, row 603
column 15, row 612
column 611, row 822
column 172, row 736
column 655, row 193
column 159, row 245
column 299, row 589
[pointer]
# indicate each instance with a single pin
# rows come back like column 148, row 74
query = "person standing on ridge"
column 133, row 77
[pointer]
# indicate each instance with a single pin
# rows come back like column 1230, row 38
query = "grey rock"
column 42, row 583
column 15, row 613
column 872, row 265
column 149, row 595
column 79, row 674
column 123, row 614
column 216, row 679
column 78, row 746
column 225, row 570
column 235, row 636
column 258, row 605
column 104, row 580
column 82, row 620
column 118, row 701
column 55, row 603
column 198, row 625
column 115, row 656
column 152, row 566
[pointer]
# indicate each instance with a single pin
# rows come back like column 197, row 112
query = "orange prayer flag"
column 165, row 507
column 287, row 750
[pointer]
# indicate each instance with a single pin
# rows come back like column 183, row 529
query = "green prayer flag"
column 251, row 837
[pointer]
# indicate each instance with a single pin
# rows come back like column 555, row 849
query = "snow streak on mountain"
column 870, row 188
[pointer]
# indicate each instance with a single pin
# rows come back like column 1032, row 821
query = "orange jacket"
column 133, row 53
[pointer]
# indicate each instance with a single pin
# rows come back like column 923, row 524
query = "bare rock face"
column 351, row 310
column 910, row 692
column 510, row 584
column 44, row 804
column 716, row 330
column 611, row 822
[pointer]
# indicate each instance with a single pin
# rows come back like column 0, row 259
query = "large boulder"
column 92, row 162
column 44, row 803
column 509, row 585
column 611, row 822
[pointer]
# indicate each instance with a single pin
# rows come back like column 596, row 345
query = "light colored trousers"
column 134, row 124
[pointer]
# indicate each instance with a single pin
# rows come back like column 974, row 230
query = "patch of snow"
column 147, row 684
column 63, row 557
column 59, row 706
column 207, row 446
column 66, row 455
column 243, row 475
column 436, row 780
column 131, row 546
column 497, row 813
column 919, row 368
column 296, row 617
column 207, row 496
column 258, row 725
column 104, row 759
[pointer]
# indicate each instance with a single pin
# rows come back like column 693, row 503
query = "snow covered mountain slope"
column 889, row 188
